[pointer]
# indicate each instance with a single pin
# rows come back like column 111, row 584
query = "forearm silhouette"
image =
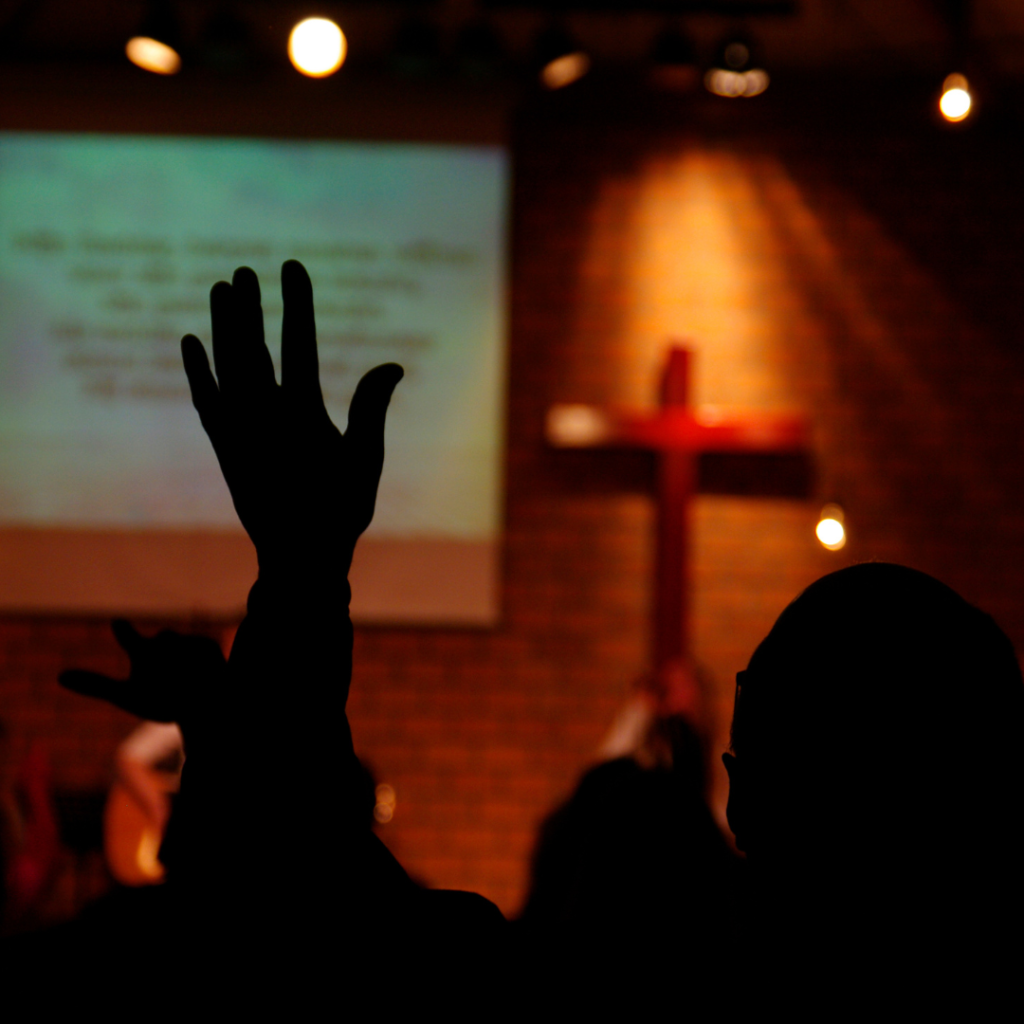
column 276, row 884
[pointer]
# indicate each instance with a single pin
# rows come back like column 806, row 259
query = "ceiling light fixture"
column 735, row 72
column 831, row 528
column 562, row 61
column 156, row 47
column 955, row 103
column 317, row 47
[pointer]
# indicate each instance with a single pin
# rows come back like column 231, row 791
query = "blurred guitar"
column 131, row 839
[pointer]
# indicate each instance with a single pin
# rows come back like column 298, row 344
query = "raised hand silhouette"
column 269, row 830
column 297, row 482
column 172, row 677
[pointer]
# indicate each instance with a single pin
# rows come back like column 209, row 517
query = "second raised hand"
column 296, row 481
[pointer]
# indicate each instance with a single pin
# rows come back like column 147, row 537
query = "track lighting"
column 735, row 72
column 955, row 103
column 156, row 46
column 317, row 47
column 562, row 61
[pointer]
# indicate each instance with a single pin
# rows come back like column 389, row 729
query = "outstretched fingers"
column 255, row 367
column 300, row 368
column 205, row 393
column 130, row 639
column 369, row 406
column 126, row 696
column 92, row 684
column 243, row 364
column 224, row 327
column 364, row 437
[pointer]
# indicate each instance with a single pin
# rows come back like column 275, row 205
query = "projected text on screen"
column 108, row 248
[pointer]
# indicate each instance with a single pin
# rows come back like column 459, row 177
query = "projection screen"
column 111, row 500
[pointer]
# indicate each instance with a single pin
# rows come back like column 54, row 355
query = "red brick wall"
column 828, row 267
column 869, row 274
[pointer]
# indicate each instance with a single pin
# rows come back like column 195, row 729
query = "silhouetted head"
column 877, row 743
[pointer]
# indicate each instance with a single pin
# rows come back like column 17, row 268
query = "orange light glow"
column 152, row 55
column 563, row 71
column 830, row 530
column 955, row 103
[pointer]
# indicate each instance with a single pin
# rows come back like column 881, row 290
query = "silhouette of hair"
column 634, row 855
column 880, row 726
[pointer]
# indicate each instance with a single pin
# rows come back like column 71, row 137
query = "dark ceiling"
column 860, row 36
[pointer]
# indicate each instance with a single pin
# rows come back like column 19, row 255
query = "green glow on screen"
column 108, row 248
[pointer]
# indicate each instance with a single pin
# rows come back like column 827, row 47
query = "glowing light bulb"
column 317, row 47
column 756, row 82
column 955, row 104
column 152, row 55
column 830, row 529
column 736, row 83
column 565, row 70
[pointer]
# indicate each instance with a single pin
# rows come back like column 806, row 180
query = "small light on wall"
column 831, row 528
column 955, row 103
column 577, row 426
column 317, row 47
column 384, row 809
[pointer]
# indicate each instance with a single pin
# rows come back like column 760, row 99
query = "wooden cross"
column 679, row 434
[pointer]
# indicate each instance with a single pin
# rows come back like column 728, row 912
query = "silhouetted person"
column 633, row 862
column 877, row 779
column 277, row 889
column 877, row 787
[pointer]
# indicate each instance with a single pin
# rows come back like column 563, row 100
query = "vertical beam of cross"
column 679, row 433
column 677, row 485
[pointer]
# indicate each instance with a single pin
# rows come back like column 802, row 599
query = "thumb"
column 365, row 437
column 369, row 406
column 130, row 639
